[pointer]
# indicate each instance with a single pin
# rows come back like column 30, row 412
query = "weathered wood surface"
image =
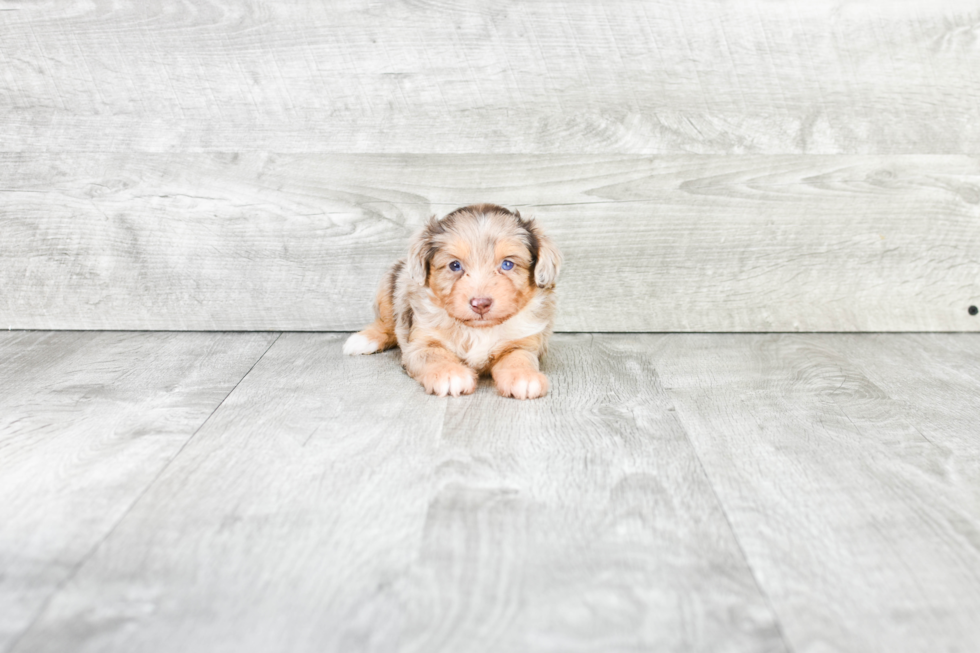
column 830, row 500
column 330, row 505
column 299, row 242
column 934, row 381
column 599, row 76
column 256, row 165
column 87, row 423
column 860, row 518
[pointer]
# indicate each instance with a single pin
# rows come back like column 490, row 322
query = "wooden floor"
column 261, row 492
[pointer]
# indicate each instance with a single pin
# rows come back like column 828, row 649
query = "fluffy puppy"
column 474, row 296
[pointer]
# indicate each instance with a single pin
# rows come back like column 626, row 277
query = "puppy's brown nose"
column 481, row 304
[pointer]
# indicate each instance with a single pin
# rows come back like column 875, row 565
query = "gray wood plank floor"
column 87, row 422
column 673, row 493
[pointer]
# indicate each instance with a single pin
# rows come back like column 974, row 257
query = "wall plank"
column 138, row 189
column 421, row 76
column 682, row 243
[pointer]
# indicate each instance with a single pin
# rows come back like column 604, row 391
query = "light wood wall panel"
column 682, row 243
column 550, row 76
column 255, row 165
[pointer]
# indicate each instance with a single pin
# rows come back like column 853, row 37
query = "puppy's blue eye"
column 455, row 266
column 507, row 265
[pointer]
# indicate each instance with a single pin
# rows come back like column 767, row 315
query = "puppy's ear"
column 420, row 251
column 549, row 260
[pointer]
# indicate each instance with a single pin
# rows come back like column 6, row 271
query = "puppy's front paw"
column 451, row 379
column 360, row 344
column 521, row 384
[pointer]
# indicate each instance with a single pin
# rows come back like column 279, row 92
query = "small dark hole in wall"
column 973, row 310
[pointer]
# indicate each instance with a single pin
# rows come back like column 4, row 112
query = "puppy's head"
column 483, row 263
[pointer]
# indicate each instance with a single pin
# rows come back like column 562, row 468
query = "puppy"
column 474, row 296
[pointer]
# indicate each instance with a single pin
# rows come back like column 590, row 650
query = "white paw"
column 452, row 380
column 359, row 344
column 522, row 384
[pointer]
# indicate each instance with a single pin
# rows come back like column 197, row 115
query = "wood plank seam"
column 81, row 563
column 791, row 422
column 777, row 619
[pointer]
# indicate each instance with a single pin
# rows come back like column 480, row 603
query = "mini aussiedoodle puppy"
column 474, row 296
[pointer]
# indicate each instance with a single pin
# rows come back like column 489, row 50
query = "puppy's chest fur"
column 475, row 345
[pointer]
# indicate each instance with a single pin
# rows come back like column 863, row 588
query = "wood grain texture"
column 625, row 76
column 933, row 380
column 87, row 422
column 330, row 505
column 861, row 524
column 299, row 242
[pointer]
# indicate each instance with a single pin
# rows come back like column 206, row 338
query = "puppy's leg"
column 516, row 374
column 370, row 340
column 380, row 335
column 439, row 371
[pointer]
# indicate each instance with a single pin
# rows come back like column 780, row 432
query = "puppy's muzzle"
column 481, row 305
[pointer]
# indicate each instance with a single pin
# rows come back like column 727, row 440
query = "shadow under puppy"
column 474, row 296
